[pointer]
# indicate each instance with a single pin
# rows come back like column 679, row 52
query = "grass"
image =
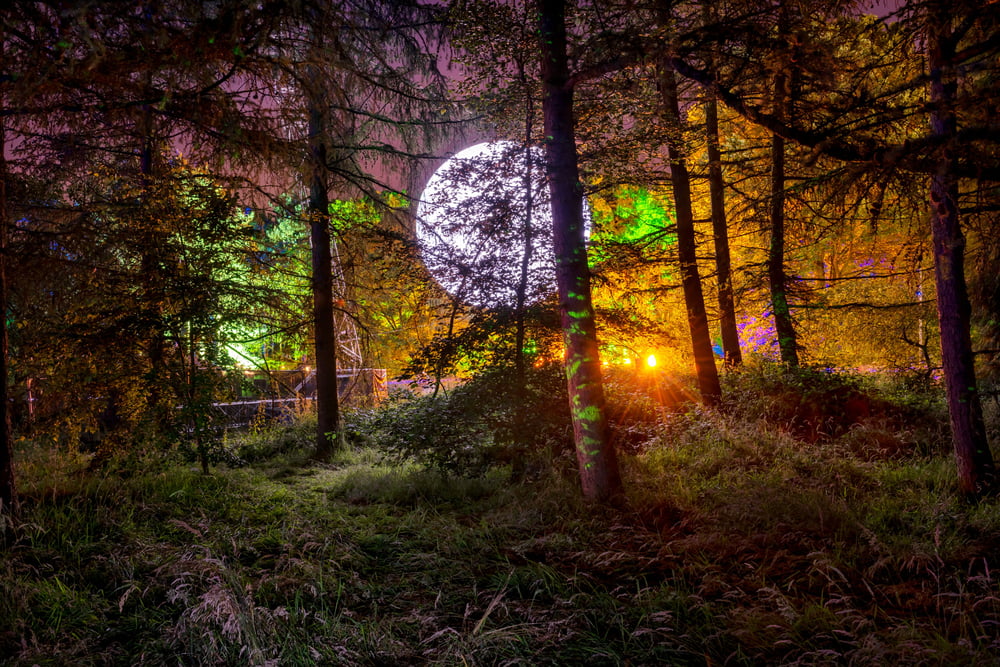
column 743, row 544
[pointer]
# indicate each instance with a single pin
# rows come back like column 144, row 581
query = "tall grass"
column 747, row 541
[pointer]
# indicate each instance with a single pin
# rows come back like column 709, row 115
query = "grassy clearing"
column 744, row 544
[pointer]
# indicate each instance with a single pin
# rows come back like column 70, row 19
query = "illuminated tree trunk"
column 777, row 278
column 976, row 469
column 325, row 334
column 720, row 227
column 8, row 487
column 720, row 233
column 598, row 464
column 694, row 299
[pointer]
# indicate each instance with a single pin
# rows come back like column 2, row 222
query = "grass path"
column 741, row 547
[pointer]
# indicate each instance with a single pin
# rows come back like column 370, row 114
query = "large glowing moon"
column 484, row 225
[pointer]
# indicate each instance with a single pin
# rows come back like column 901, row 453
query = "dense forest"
column 499, row 332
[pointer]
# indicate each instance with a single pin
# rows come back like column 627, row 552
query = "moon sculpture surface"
column 484, row 226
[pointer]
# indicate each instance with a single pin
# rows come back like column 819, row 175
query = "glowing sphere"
column 651, row 361
column 484, row 225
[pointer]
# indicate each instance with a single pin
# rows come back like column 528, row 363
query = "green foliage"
column 631, row 217
column 269, row 441
column 385, row 290
column 482, row 340
column 124, row 318
column 486, row 421
column 638, row 403
column 823, row 404
column 414, row 487
column 742, row 545
column 483, row 422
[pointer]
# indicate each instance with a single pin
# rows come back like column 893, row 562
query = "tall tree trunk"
column 522, row 421
column 720, row 233
column 325, row 334
column 777, row 278
column 529, row 210
column 599, row 475
column 8, row 486
column 720, row 226
column 976, row 469
column 157, row 412
column 687, row 248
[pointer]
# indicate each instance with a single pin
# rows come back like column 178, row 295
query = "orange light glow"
column 651, row 361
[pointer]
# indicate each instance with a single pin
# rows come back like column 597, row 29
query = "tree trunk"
column 720, row 228
column 8, row 487
column 687, row 248
column 522, row 421
column 720, row 233
column 325, row 334
column 976, row 469
column 157, row 411
column 777, row 279
column 598, row 464
column 522, row 284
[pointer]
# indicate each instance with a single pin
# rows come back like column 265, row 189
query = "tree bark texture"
column 687, row 248
column 720, row 228
column 324, row 329
column 976, row 468
column 720, row 234
column 598, row 465
column 777, row 278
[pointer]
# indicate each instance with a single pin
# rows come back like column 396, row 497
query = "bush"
column 479, row 424
column 486, row 421
column 821, row 404
column 270, row 440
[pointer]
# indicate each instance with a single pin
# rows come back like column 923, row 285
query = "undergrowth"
column 747, row 541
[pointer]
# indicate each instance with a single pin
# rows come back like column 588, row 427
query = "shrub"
column 484, row 422
column 822, row 404
column 270, row 440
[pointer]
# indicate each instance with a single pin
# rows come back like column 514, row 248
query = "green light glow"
column 630, row 215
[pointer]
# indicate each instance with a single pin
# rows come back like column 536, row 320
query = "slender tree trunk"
column 528, row 247
column 152, row 278
column 976, row 469
column 157, row 410
column 198, row 416
column 777, row 278
column 325, row 334
column 720, row 233
column 687, row 248
column 720, row 226
column 596, row 458
column 522, row 420
column 8, row 487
